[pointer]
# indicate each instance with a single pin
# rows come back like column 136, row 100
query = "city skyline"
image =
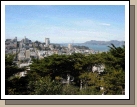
column 46, row 39
column 65, row 23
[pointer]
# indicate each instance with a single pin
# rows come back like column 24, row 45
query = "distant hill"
column 115, row 42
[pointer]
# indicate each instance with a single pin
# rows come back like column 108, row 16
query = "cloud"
column 64, row 35
column 62, row 31
column 84, row 22
column 105, row 24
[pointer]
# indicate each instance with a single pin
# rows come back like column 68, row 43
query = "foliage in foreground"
column 46, row 74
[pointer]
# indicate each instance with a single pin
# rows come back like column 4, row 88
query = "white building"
column 27, row 53
column 24, row 65
column 70, row 46
column 23, row 73
column 25, row 40
column 51, row 47
column 47, row 41
column 99, row 68
column 21, row 45
column 30, row 45
column 22, row 50
column 31, row 49
column 21, row 56
column 41, row 53
column 33, row 55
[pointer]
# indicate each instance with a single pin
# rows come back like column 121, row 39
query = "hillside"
column 115, row 42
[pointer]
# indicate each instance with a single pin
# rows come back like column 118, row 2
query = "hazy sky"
column 64, row 24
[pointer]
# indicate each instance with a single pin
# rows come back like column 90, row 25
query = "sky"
column 65, row 23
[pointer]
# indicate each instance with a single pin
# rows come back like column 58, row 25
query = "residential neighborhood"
column 25, row 50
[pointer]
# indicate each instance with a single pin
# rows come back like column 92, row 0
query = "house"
column 98, row 68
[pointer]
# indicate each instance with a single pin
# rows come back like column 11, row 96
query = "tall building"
column 47, row 41
column 26, row 40
column 27, row 53
column 21, row 45
column 70, row 46
column 15, row 39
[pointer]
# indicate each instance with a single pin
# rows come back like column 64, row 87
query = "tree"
column 13, row 85
column 115, row 70
column 45, row 74
column 117, row 55
column 45, row 86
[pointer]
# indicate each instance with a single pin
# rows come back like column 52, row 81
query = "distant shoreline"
column 90, row 46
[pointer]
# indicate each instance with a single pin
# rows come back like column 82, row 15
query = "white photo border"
column 126, row 3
